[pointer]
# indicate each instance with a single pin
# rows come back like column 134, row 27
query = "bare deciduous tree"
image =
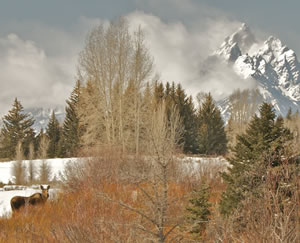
column 113, row 59
column 244, row 104
column 18, row 169
column 31, row 167
column 152, row 176
column 44, row 168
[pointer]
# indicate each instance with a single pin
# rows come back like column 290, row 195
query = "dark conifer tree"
column 159, row 93
column 17, row 126
column 260, row 148
column 199, row 210
column 175, row 97
column 188, row 114
column 211, row 133
column 71, row 126
column 37, row 141
column 53, row 133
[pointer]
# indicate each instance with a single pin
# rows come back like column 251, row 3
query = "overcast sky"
column 40, row 40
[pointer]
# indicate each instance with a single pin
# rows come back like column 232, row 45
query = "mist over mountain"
column 241, row 62
column 43, row 115
column 271, row 67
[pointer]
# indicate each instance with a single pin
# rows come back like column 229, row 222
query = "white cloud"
column 179, row 51
column 35, row 78
column 38, row 62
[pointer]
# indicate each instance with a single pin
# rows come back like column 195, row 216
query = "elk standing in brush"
column 18, row 202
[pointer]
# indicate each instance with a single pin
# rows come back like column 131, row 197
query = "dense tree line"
column 113, row 102
column 203, row 128
column 18, row 133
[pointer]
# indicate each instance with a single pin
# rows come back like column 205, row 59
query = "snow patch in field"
column 195, row 166
column 192, row 166
column 57, row 167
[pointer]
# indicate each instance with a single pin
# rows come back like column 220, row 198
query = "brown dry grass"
column 85, row 217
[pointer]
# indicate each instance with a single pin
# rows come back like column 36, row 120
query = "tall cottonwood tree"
column 31, row 166
column 17, row 126
column 92, row 122
column 154, row 177
column 114, row 59
column 44, row 168
column 244, row 105
column 19, row 169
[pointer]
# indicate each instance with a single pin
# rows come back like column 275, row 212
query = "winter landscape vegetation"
column 134, row 157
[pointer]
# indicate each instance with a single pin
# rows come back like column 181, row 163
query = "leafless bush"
column 31, row 166
column 19, row 169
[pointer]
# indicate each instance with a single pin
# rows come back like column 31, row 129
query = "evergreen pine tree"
column 175, row 96
column 186, row 109
column 53, row 133
column 259, row 148
column 159, row 93
column 17, row 126
column 211, row 133
column 37, row 141
column 71, row 125
column 199, row 210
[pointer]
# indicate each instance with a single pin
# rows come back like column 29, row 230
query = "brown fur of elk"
column 17, row 202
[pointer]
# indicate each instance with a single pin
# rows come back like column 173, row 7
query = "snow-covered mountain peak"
column 236, row 44
column 273, row 65
column 274, row 43
column 273, row 49
column 285, row 63
column 243, row 37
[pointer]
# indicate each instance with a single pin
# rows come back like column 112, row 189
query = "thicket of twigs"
column 114, row 198
column 120, row 198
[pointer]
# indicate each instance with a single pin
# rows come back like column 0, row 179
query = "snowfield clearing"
column 57, row 167
column 9, row 191
column 194, row 166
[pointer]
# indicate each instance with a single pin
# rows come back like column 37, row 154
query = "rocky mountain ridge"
column 273, row 66
column 43, row 115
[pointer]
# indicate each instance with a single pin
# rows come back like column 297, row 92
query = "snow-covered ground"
column 56, row 165
column 6, row 193
column 193, row 166
column 198, row 166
